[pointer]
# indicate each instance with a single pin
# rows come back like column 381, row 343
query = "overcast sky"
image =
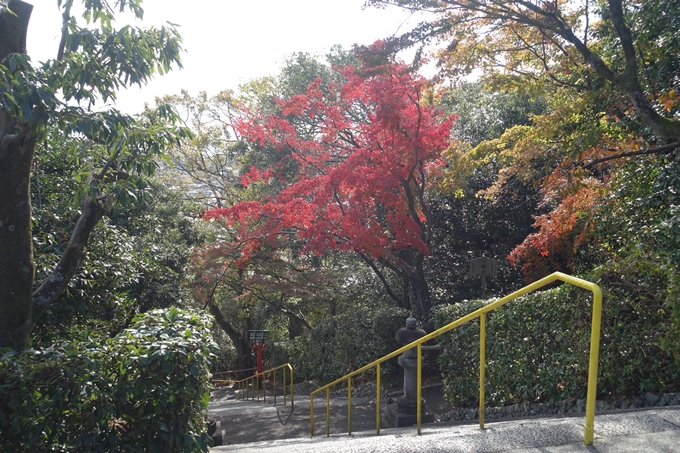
column 228, row 42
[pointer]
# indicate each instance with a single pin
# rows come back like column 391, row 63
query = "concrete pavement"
column 653, row 431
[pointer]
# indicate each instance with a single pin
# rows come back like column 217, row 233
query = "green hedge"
column 146, row 390
column 342, row 344
column 538, row 345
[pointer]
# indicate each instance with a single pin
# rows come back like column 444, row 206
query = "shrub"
column 146, row 390
column 342, row 344
column 538, row 346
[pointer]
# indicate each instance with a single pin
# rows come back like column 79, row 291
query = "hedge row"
column 342, row 344
column 146, row 390
column 538, row 346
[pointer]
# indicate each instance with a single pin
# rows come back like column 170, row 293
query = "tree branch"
column 382, row 278
column 71, row 259
column 659, row 150
column 66, row 17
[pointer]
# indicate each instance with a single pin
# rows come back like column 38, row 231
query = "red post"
column 258, row 348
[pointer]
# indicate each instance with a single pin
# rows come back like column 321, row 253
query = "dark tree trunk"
column 420, row 286
column 17, row 147
column 240, row 341
column 17, row 269
column 19, row 305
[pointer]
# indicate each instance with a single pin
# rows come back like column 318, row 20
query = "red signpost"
column 258, row 337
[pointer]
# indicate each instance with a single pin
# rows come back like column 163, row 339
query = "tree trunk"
column 17, row 148
column 420, row 286
column 17, row 269
column 241, row 343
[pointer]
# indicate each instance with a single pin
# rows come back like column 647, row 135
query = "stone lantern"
column 404, row 412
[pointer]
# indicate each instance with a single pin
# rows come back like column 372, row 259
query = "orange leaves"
column 553, row 246
column 669, row 100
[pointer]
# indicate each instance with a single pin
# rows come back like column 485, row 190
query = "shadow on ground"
column 254, row 421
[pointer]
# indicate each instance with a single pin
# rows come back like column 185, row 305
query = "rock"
column 674, row 399
column 638, row 402
column 580, row 405
column 651, row 398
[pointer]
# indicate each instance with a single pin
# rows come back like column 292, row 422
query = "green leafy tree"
column 51, row 105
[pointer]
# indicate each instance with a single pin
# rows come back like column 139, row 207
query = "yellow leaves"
column 459, row 166
column 669, row 99
column 462, row 160
column 633, row 144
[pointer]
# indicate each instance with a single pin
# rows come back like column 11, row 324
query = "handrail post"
column 349, row 405
column 328, row 412
column 419, row 385
column 311, row 412
column 482, row 366
column 592, row 367
column 292, row 391
column 377, row 399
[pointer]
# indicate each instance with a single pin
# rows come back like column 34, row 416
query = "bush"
column 146, row 390
column 342, row 344
column 538, row 346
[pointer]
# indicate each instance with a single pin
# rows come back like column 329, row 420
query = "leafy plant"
column 538, row 346
column 342, row 344
column 147, row 389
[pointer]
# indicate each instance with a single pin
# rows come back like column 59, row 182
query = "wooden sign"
column 483, row 266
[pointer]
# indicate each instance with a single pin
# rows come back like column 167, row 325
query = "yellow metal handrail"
column 481, row 314
column 253, row 382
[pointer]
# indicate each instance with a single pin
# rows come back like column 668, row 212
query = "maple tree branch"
column 543, row 59
column 382, row 278
column 411, row 203
column 337, row 200
column 260, row 294
column 658, row 150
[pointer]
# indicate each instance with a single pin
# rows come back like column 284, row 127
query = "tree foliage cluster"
column 77, row 177
column 145, row 389
column 49, row 108
column 595, row 166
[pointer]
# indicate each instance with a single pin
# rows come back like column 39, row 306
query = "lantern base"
column 403, row 413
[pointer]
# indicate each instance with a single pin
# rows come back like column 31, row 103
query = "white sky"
column 228, row 42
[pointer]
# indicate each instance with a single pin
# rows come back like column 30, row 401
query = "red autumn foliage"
column 364, row 154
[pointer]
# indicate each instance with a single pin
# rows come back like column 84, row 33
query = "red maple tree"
column 365, row 154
